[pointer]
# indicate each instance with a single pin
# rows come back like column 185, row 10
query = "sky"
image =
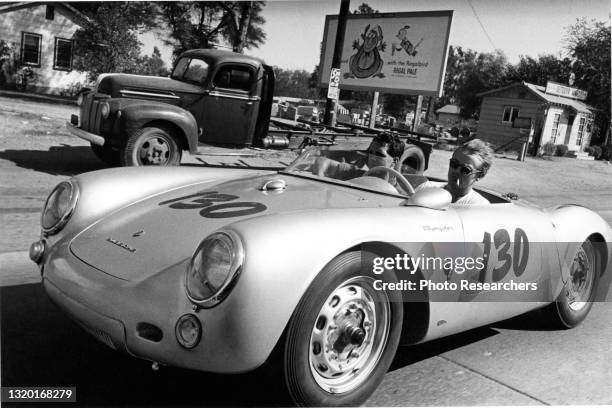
column 517, row 27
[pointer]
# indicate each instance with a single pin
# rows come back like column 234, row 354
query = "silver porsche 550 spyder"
column 223, row 270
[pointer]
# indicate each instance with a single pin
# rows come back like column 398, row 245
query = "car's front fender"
column 137, row 115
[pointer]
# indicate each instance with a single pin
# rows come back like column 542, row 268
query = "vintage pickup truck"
column 211, row 97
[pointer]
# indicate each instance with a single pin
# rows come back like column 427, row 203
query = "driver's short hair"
column 396, row 146
column 477, row 147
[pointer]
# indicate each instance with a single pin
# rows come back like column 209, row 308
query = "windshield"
column 350, row 167
column 191, row 70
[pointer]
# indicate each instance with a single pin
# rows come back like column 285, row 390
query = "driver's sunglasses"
column 463, row 168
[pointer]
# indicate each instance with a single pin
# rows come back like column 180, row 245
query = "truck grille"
column 90, row 112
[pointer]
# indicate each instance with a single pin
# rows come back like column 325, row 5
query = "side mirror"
column 432, row 197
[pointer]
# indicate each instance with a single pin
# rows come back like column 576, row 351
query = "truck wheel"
column 342, row 336
column 151, row 146
column 576, row 299
column 107, row 154
column 412, row 161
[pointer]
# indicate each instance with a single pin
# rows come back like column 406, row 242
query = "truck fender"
column 139, row 115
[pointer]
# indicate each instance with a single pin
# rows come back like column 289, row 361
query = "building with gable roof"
column 40, row 34
column 555, row 113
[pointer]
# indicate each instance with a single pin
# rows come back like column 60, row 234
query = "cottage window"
column 510, row 113
column 30, row 49
column 580, row 132
column 63, row 54
column 555, row 127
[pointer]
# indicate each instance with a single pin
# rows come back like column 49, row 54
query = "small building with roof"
column 524, row 112
column 38, row 37
column 448, row 115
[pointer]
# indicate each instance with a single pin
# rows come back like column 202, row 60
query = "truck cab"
column 211, row 96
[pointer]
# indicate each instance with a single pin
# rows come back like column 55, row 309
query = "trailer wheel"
column 151, row 146
column 412, row 161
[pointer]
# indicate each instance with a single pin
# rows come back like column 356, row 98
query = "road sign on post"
column 333, row 91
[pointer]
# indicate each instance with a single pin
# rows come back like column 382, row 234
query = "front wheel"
column 342, row 336
column 151, row 146
column 576, row 299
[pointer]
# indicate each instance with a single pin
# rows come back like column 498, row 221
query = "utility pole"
column 331, row 107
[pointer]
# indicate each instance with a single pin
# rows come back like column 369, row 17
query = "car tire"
column 151, row 146
column 107, row 154
column 412, row 161
column 585, row 271
column 340, row 306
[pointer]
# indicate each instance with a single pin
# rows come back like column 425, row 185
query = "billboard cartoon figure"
column 367, row 62
column 405, row 43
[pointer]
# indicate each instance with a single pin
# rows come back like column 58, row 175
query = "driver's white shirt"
column 471, row 198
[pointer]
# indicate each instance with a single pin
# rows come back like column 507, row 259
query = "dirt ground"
column 37, row 152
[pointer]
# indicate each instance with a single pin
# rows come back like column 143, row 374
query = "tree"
column 294, row 83
column 153, row 65
column 203, row 24
column 365, row 8
column 588, row 44
column 108, row 41
column 245, row 30
column 545, row 68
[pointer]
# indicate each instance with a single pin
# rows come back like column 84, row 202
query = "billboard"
column 401, row 53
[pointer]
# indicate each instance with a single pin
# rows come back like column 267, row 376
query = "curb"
column 37, row 97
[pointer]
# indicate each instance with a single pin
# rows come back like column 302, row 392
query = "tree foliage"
column 294, row 83
column 204, row 24
column 588, row 44
column 152, row 65
column 108, row 40
column 365, row 8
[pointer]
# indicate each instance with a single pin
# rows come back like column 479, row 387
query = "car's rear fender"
column 574, row 224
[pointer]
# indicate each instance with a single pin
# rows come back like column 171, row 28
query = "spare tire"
column 412, row 161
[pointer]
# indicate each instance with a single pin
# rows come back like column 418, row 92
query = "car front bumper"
column 90, row 137
column 113, row 310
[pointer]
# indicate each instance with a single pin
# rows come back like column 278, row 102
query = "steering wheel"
column 401, row 180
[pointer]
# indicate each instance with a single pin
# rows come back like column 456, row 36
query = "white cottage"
column 40, row 33
column 556, row 112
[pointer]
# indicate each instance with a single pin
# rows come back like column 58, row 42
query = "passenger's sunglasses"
column 464, row 169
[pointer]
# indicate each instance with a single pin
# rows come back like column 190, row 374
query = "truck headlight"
column 59, row 207
column 80, row 99
column 214, row 268
column 104, row 110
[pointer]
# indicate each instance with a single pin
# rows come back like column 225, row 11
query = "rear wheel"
column 107, row 154
column 576, row 299
column 151, row 146
column 342, row 336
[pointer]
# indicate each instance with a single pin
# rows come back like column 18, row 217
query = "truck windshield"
column 190, row 70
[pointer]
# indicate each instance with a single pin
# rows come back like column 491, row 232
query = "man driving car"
column 384, row 150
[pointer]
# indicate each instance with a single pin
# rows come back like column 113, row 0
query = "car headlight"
column 214, row 268
column 104, row 110
column 59, row 207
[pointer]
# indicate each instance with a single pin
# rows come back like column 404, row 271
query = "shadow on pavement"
column 42, row 347
column 61, row 160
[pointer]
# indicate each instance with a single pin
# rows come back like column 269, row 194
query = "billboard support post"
column 417, row 113
column 331, row 107
column 374, row 110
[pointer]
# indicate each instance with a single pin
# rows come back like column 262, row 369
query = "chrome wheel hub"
column 581, row 281
column 349, row 335
column 154, row 150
